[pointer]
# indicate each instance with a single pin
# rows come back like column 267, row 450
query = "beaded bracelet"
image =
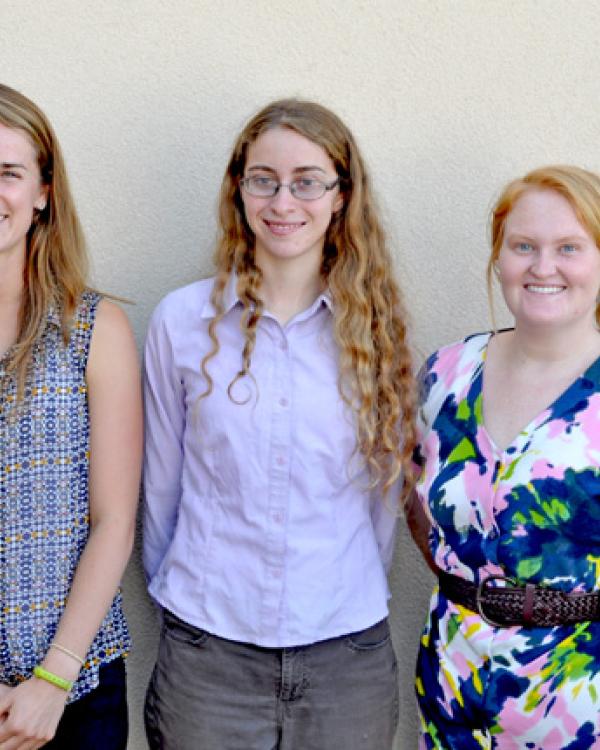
column 53, row 679
column 66, row 651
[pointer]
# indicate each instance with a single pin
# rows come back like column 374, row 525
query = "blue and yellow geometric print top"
column 44, row 504
column 531, row 512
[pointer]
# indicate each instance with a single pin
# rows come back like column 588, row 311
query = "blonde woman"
column 280, row 413
column 70, row 455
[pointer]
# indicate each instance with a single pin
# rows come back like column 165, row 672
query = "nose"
column 543, row 263
column 283, row 200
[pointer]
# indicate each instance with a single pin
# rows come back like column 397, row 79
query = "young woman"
column 510, row 489
column 70, row 455
column 280, row 413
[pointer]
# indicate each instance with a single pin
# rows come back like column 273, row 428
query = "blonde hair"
column 56, row 259
column 579, row 186
column 376, row 378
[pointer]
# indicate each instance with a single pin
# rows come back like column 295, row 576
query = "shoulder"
column 448, row 366
column 110, row 317
column 183, row 304
column 455, row 356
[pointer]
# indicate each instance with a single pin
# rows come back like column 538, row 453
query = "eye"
column 307, row 182
column 568, row 249
column 524, row 247
column 263, row 181
column 9, row 174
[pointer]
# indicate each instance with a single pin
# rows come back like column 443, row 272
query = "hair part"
column 578, row 186
column 56, row 263
column 376, row 374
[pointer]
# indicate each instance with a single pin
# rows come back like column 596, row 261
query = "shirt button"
column 280, row 460
column 278, row 516
column 276, row 572
column 283, row 402
column 283, row 345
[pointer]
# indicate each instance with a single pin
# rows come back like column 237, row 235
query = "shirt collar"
column 231, row 299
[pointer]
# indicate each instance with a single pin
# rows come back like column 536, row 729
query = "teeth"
column 544, row 289
column 283, row 228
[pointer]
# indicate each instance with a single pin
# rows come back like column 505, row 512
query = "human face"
column 549, row 265
column 287, row 228
column 21, row 189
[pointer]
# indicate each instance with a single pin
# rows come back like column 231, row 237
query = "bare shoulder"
column 113, row 344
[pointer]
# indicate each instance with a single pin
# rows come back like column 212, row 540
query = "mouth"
column 283, row 228
column 548, row 289
column 3, row 216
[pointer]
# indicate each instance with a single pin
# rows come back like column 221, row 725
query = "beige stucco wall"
column 448, row 99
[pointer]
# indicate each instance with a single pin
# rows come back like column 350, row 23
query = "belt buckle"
column 481, row 589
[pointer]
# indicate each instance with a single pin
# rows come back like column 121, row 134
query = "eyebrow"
column 12, row 165
column 297, row 170
column 560, row 240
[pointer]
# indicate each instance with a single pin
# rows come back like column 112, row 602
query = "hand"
column 30, row 714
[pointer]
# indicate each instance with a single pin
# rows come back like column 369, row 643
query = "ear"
column 338, row 203
column 42, row 200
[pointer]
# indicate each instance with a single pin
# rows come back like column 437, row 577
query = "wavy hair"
column 56, row 258
column 375, row 374
column 579, row 186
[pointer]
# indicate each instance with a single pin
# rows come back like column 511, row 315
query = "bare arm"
column 32, row 710
column 420, row 526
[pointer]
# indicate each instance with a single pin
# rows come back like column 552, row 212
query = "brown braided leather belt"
column 528, row 605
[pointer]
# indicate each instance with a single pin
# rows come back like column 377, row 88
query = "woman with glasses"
column 510, row 489
column 279, row 417
column 70, row 459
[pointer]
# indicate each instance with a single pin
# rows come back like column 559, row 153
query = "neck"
column 554, row 345
column 11, row 278
column 288, row 288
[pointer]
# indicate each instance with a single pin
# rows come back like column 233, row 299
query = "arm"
column 384, row 517
column 165, row 424
column 33, row 709
column 420, row 526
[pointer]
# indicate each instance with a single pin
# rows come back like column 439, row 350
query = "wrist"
column 60, row 664
column 51, row 678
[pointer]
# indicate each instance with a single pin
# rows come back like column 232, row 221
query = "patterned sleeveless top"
column 44, row 503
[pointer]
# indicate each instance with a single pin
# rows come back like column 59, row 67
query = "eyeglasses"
column 304, row 188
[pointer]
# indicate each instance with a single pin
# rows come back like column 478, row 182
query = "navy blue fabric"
column 98, row 720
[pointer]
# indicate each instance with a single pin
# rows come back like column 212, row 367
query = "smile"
column 282, row 228
column 544, row 289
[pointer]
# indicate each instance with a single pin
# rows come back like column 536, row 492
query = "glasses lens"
column 307, row 188
column 262, row 187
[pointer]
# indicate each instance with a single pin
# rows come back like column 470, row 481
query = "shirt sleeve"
column 384, row 517
column 163, row 459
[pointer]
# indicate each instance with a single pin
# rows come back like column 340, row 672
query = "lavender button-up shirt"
column 255, row 527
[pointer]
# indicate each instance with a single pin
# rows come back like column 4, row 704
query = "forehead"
column 543, row 210
column 16, row 146
column 284, row 149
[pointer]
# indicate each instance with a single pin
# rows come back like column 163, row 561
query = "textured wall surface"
column 448, row 99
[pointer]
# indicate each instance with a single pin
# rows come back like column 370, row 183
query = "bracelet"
column 66, row 651
column 53, row 679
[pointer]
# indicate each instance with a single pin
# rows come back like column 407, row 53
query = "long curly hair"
column 56, row 258
column 579, row 186
column 375, row 366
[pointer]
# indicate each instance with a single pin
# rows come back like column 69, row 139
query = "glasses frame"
column 290, row 186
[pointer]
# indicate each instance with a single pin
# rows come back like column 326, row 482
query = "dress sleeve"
column 163, row 460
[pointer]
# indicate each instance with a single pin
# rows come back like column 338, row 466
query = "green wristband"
column 53, row 679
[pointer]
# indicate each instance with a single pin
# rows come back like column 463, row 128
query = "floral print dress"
column 531, row 512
